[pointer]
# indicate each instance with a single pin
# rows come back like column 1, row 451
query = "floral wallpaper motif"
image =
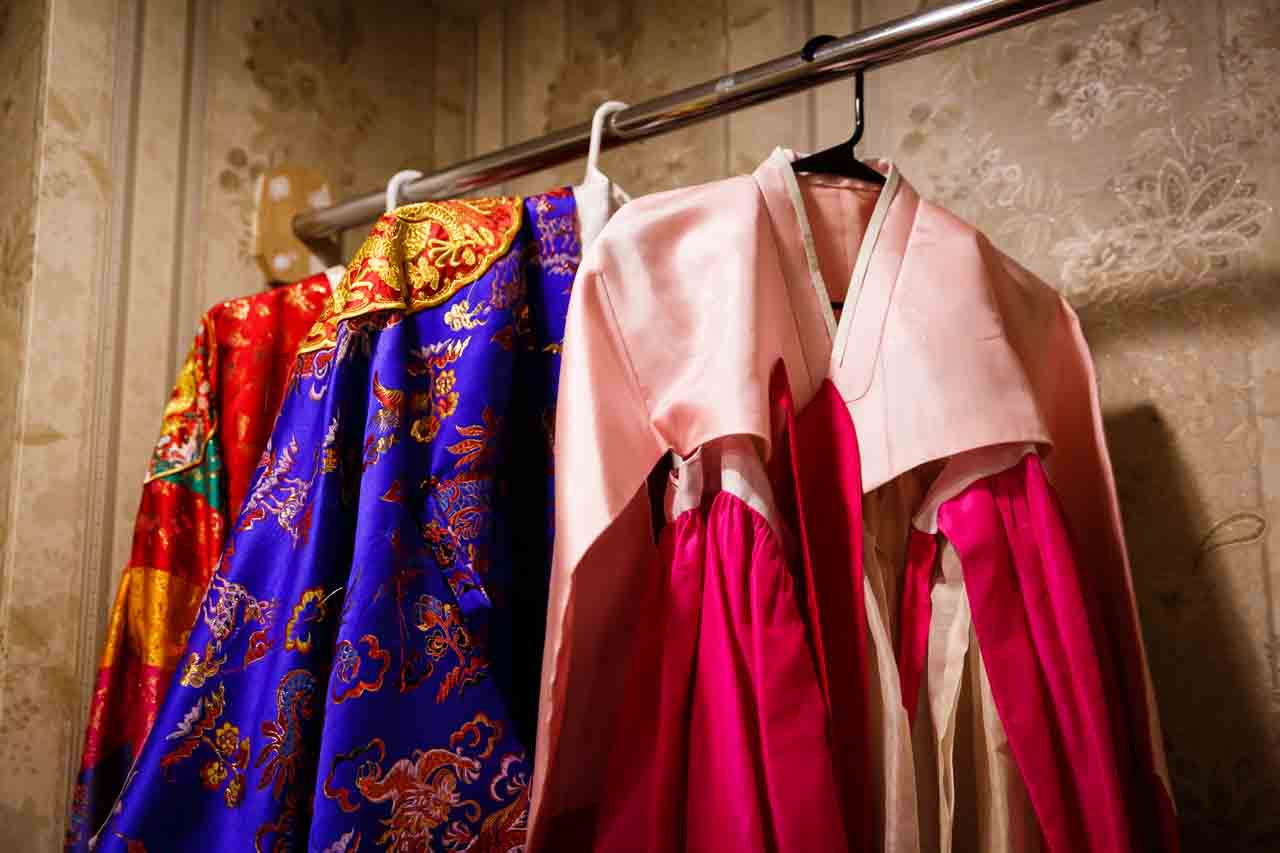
column 632, row 52
column 338, row 86
column 302, row 56
column 1126, row 151
column 1190, row 211
column 311, row 104
column 1128, row 67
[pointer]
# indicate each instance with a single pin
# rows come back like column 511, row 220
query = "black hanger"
column 839, row 159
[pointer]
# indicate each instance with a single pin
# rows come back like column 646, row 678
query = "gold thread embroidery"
column 418, row 257
column 292, row 642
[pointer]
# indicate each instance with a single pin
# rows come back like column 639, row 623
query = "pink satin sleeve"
column 1056, row 667
column 605, row 448
column 1080, row 470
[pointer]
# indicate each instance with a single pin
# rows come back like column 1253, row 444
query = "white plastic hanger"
column 597, row 135
column 398, row 180
column 597, row 197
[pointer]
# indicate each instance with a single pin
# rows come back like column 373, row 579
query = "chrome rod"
column 887, row 43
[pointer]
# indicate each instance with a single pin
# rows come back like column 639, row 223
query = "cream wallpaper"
column 21, row 42
column 131, row 132
column 1125, row 152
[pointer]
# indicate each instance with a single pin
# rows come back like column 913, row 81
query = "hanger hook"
column 809, row 51
column 810, row 48
column 398, row 180
column 602, row 113
column 859, row 122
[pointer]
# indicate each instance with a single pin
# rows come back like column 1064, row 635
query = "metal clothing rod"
column 893, row 41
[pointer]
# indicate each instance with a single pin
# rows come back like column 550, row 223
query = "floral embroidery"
column 446, row 633
column 431, row 407
column 227, row 738
column 230, row 751
column 405, row 655
column 213, row 774
column 234, row 792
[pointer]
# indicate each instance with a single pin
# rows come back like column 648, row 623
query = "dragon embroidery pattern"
column 429, row 810
column 228, row 610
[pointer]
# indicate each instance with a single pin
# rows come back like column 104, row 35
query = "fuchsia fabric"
column 821, row 447
column 917, row 609
column 724, row 740
column 1053, row 669
column 761, row 775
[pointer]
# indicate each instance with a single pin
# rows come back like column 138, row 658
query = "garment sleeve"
column 177, row 537
column 1079, row 468
column 604, row 449
column 1053, row 351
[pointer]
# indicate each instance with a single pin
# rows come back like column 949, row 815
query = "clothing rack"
column 902, row 38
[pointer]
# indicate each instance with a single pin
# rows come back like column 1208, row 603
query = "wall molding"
column 188, row 298
column 109, row 289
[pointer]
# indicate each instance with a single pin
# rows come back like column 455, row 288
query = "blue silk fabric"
column 363, row 673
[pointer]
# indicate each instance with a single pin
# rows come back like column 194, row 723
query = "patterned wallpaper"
column 132, row 162
column 1125, row 152
column 21, row 40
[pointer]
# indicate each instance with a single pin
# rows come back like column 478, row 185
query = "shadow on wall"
column 1206, row 659
column 1193, row 637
